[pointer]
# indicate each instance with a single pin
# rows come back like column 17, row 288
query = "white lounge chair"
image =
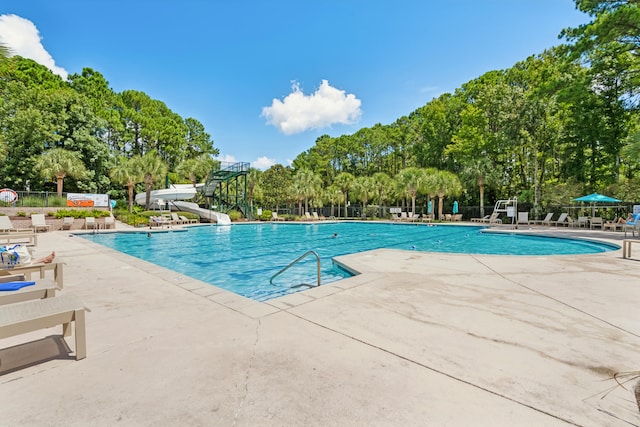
column 275, row 217
column 90, row 222
column 523, row 218
column 176, row 219
column 596, row 221
column 186, row 220
column 43, row 288
column 562, row 220
column 67, row 222
column 307, row 216
column 483, row 219
column 29, row 316
column 315, row 216
column 109, row 222
column 39, row 223
column 6, row 226
column 583, row 221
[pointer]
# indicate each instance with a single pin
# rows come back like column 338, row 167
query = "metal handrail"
column 295, row 261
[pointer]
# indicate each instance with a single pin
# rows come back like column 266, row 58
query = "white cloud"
column 263, row 163
column 22, row 38
column 299, row 112
column 227, row 158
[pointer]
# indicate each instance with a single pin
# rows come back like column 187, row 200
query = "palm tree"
column 344, row 180
column 152, row 168
column 60, row 163
column 364, row 189
column 410, row 180
column 297, row 191
column 382, row 184
column 447, row 183
column 310, row 183
column 126, row 173
column 480, row 172
column 333, row 195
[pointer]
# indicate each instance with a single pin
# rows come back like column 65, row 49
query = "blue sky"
column 267, row 78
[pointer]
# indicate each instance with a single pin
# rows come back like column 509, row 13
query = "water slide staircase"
column 226, row 187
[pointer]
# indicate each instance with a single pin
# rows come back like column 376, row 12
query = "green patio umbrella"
column 594, row 198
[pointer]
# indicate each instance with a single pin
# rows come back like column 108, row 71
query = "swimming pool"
column 242, row 258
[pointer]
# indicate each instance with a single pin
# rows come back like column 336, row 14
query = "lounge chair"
column 6, row 226
column 176, row 219
column 523, row 218
column 448, row 217
column 494, row 218
column 596, row 221
column 275, row 217
column 583, row 221
column 483, row 219
column 545, row 221
column 307, row 216
column 41, row 269
column 90, row 222
column 39, row 223
column 109, row 222
column 457, row 217
column 315, row 216
column 29, row 316
column 562, row 220
column 427, row 218
column 633, row 225
column 43, row 288
column 67, row 222
column 186, row 220
column 403, row 216
column 27, row 237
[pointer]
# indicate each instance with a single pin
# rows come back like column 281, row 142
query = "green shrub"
column 20, row 213
column 266, row 215
column 235, row 215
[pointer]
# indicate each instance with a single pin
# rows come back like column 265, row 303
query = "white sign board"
column 511, row 212
column 395, row 210
column 88, row 200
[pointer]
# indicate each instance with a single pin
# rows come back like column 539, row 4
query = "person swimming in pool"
column 334, row 235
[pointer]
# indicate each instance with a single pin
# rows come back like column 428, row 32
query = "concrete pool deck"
column 417, row 339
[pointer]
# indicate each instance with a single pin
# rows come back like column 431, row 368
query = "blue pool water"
column 243, row 257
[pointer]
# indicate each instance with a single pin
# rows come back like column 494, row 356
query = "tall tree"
column 152, row 168
column 60, row 163
column 127, row 172
column 344, row 181
column 410, row 180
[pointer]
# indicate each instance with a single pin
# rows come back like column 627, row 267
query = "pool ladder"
column 300, row 258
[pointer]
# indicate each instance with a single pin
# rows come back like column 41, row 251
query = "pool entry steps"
column 292, row 263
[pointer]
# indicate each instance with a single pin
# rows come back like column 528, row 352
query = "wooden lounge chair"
column 43, row 288
column 39, row 223
column 28, row 316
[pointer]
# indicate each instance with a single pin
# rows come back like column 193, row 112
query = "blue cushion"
column 14, row 286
